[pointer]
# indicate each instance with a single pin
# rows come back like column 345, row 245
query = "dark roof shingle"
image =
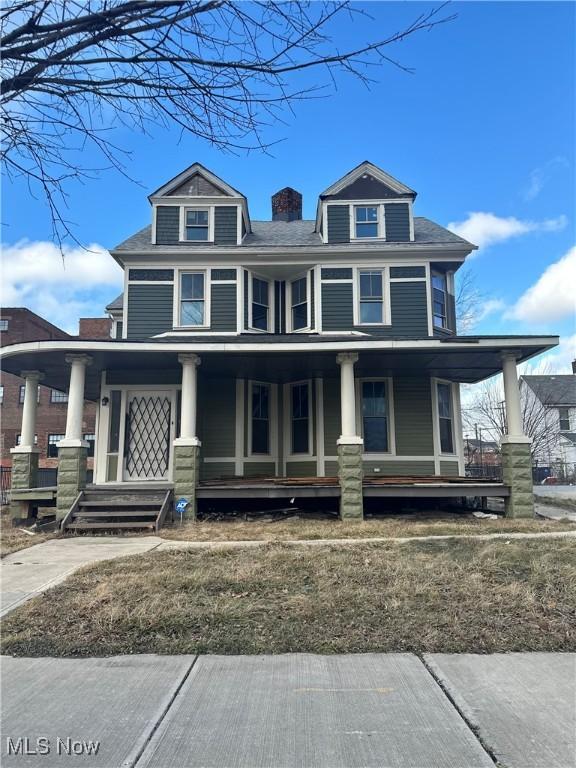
column 553, row 390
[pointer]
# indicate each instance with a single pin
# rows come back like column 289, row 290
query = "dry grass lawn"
column 301, row 528
column 13, row 539
column 442, row 596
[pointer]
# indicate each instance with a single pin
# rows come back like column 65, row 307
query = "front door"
column 147, row 435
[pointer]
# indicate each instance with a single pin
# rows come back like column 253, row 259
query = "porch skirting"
column 186, row 476
column 72, row 469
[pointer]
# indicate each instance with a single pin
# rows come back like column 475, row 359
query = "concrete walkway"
column 291, row 711
column 27, row 573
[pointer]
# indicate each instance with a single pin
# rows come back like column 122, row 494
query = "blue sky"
column 484, row 126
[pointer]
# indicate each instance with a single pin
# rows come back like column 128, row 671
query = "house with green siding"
column 248, row 354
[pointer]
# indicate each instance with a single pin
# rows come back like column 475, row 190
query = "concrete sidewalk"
column 291, row 711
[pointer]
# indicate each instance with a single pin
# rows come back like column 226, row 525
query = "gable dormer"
column 197, row 208
column 366, row 205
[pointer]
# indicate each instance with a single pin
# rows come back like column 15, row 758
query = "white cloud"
column 558, row 360
column 541, row 176
column 59, row 288
column 489, row 307
column 484, row 229
column 553, row 295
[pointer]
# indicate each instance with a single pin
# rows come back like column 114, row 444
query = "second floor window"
column 365, row 221
column 299, row 302
column 196, row 224
column 1, row 394
column 439, row 300
column 260, row 419
column 445, row 418
column 3, row 325
column 371, row 297
column 260, row 304
column 192, row 299
column 564, row 418
column 58, row 397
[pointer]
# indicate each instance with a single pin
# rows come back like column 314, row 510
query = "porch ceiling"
column 461, row 359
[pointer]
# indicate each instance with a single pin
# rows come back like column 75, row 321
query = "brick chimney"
column 95, row 328
column 287, row 205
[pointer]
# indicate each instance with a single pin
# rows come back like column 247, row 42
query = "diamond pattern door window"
column 148, row 437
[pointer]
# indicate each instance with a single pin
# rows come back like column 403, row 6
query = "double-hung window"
column 58, row 397
column 371, row 296
column 564, row 418
column 53, row 440
column 299, row 302
column 260, row 419
column 366, row 221
column 23, row 392
column 196, row 224
column 375, row 416
column 3, row 325
column 260, row 304
column 300, row 417
column 439, row 292
column 445, row 418
column 192, row 298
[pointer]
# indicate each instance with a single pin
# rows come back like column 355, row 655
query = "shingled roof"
column 281, row 234
column 554, row 390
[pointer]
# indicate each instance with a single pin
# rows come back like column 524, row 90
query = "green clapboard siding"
column 217, row 417
column 407, row 272
column 337, row 307
column 301, row 468
column 409, row 308
column 389, row 468
column 215, row 469
column 223, row 308
column 413, row 417
column 332, row 427
column 449, row 468
column 259, row 468
column 338, row 223
column 397, row 220
column 168, row 224
column 225, row 225
column 149, row 310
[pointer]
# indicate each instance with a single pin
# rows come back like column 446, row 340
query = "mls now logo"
column 45, row 746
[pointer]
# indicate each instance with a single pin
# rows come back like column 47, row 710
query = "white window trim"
column 380, row 221
column 271, row 418
column 308, row 326
column 271, row 308
column 436, row 423
column 176, row 325
column 198, row 207
column 386, row 309
column 287, row 392
column 389, row 381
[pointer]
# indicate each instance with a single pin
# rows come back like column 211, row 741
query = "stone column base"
column 186, row 476
column 24, row 475
column 350, row 478
column 71, row 477
column 517, row 473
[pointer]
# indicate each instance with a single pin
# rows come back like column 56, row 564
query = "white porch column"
column 512, row 398
column 28, row 430
column 346, row 362
column 189, row 406
column 75, row 410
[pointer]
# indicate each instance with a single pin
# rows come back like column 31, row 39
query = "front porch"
column 301, row 419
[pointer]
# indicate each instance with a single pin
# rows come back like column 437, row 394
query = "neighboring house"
column 18, row 324
column 287, row 348
column 555, row 397
column 485, row 452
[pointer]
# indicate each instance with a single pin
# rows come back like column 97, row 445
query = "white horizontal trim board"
column 293, row 346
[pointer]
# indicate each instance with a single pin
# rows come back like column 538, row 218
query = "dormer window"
column 196, row 224
column 366, row 222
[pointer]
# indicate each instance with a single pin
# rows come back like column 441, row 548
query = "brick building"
column 18, row 325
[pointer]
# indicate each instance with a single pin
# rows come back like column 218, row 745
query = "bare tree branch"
column 74, row 70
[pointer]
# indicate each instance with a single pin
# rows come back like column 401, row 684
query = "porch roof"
column 465, row 359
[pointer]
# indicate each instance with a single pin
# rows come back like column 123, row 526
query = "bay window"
column 260, row 304
column 192, row 299
column 439, row 291
column 299, row 303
